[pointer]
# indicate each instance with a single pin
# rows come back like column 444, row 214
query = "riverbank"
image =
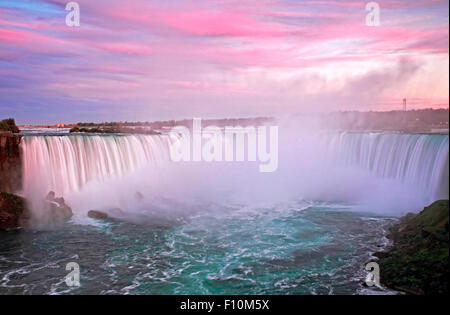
column 418, row 261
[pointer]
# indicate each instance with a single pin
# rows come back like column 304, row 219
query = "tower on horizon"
column 404, row 104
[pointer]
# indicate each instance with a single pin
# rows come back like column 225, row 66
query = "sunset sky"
column 151, row 60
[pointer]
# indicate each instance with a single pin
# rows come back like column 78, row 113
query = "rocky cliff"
column 13, row 211
column 10, row 162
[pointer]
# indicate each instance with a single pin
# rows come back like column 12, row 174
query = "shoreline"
column 416, row 262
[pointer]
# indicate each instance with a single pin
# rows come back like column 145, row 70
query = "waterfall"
column 66, row 163
column 347, row 167
column 417, row 160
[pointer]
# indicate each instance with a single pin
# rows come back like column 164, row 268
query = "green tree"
column 9, row 125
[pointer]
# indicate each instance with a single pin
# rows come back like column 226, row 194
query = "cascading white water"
column 418, row 160
column 330, row 168
column 66, row 163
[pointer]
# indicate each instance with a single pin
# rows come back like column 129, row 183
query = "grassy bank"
column 418, row 262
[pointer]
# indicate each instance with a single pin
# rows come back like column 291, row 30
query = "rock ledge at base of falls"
column 95, row 214
column 13, row 211
column 418, row 261
column 55, row 211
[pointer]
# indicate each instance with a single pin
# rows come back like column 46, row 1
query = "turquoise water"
column 301, row 248
column 172, row 241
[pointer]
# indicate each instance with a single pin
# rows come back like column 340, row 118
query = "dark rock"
column 56, row 211
column 10, row 162
column 95, row 214
column 13, row 211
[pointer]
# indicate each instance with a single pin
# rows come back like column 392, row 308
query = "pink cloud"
column 149, row 50
column 220, row 24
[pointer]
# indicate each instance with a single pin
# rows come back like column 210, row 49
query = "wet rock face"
column 56, row 211
column 10, row 162
column 13, row 211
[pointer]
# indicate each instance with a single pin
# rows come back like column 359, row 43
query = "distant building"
column 60, row 125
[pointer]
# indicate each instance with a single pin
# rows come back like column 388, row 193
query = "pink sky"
column 150, row 60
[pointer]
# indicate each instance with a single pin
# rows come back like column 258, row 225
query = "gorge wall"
column 10, row 162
